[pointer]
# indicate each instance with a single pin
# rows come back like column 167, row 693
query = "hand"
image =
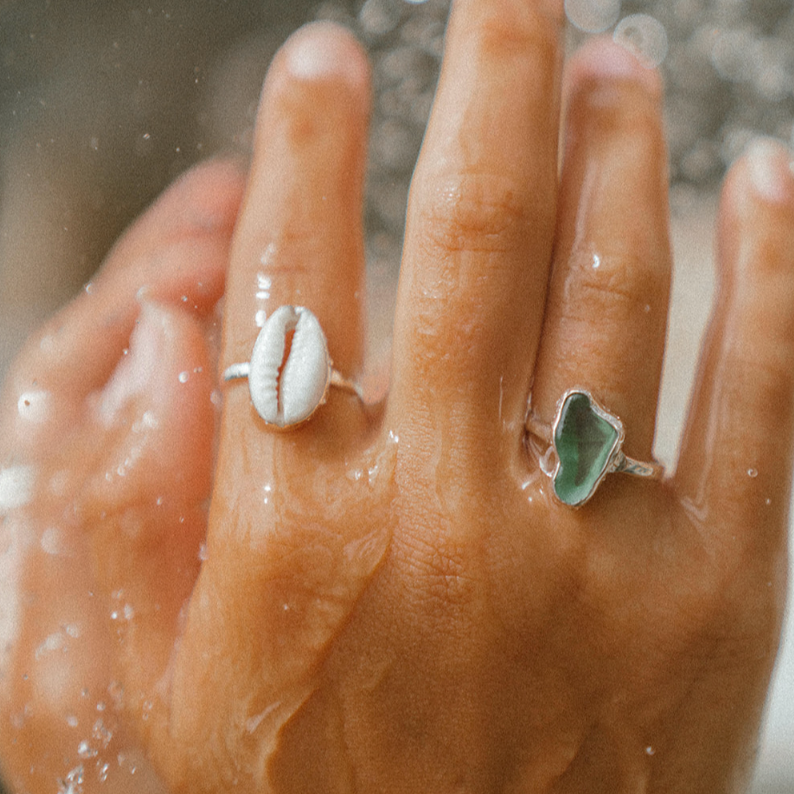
column 389, row 598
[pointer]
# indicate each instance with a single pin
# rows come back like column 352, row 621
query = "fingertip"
column 757, row 211
column 766, row 172
column 322, row 52
column 600, row 61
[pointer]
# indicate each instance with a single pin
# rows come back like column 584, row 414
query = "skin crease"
column 388, row 598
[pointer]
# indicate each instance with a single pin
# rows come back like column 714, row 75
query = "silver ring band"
column 290, row 370
column 241, row 370
column 586, row 442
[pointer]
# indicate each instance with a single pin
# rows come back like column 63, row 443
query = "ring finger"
column 606, row 315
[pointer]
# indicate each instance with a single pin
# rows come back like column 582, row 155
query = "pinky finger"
column 736, row 461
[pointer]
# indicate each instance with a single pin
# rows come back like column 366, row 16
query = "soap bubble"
column 592, row 16
column 645, row 36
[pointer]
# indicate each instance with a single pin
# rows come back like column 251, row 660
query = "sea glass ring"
column 290, row 370
column 585, row 444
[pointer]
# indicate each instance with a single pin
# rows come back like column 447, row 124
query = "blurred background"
column 104, row 102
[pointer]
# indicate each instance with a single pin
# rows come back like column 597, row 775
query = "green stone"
column 585, row 441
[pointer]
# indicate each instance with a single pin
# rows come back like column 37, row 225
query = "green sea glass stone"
column 584, row 441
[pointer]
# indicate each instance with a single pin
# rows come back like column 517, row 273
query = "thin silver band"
column 637, row 468
column 622, row 462
column 243, row 369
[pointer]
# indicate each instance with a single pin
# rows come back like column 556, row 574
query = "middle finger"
column 480, row 220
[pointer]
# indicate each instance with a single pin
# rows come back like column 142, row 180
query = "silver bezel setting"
column 613, row 460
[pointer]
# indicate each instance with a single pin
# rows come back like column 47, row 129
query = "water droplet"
column 129, row 612
column 89, row 288
column 184, row 299
column 752, row 473
column 101, row 706
column 116, row 692
column 183, row 376
column 647, row 308
column 768, row 502
column 71, row 721
column 203, row 554
column 101, row 733
column 73, row 782
column 52, row 541
column 84, row 750
column 596, row 261
column 260, row 318
column 643, row 35
column 16, row 487
column 216, row 398
column 54, row 642
column 266, row 259
column 592, row 16
column 34, row 406
column 650, row 751
column 102, row 772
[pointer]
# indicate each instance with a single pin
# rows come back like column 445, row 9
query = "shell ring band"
column 289, row 382
column 585, row 444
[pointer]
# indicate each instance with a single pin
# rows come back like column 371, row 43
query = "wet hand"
column 390, row 597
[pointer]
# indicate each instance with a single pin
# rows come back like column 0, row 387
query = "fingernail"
column 136, row 369
column 321, row 49
column 604, row 59
column 769, row 166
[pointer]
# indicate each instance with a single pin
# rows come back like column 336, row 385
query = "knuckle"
column 475, row 213
column 617, row 285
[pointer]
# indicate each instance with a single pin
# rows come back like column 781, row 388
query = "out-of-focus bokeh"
column 104, row 102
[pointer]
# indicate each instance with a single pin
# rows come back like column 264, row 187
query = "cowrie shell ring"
column 288, row 386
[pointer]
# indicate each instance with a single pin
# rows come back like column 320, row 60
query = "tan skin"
column 389, row 598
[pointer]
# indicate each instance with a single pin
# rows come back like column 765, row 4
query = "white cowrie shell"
column 294, row 396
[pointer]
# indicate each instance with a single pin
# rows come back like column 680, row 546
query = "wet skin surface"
column 388, row 598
